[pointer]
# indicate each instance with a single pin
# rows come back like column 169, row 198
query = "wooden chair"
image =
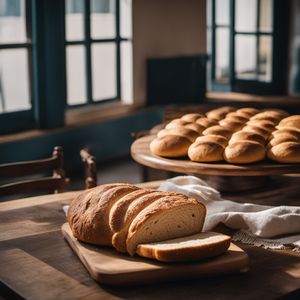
column 90, row 168
column 55, row 183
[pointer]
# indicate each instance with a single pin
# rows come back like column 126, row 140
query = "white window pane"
column 12, row 21
column 74, row 20
column 126, row 72
column 125, row 18
column 14, row 80
column 265, row 58
column 245, row 15
column 76, row 85
column 222, row 12
column 222, row 55
column 104, row 71
column 266, row 15
column 103, row 19
column 245, row 56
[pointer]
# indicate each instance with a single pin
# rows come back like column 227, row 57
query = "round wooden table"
column 221, row 175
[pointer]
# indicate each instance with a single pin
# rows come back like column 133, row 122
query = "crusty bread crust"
column 170, row 146
column 206, row 122
column 219, row 113
column 218, row 130
column 191, row 117
column 202, row 151
column 245, row 135
column 88, row 214
column 186, row 253
column 287, row 152
column 244, row 152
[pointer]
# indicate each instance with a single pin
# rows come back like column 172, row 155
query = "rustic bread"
column 265, row 124
column 167, row 218
column 245, row 135
column 206, row 151
column 176, row 122
column 235, row 116
column 191, row 117
column 231, row 124
column 88, row 214
column 292, row 121
column 244, row 152
column 219, row 139
column 170, row 146
column 218, row 130
column 282, row 139
column 288, row 132
column 273, row 116
column 195, row 247
column 287, row 152
column 126, row 213
column 179, row 131
column 196, row 127
column 248, row 111
column 258, row 130
column 219, row 113
column 206, row 122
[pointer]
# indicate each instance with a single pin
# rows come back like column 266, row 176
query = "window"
column 247, row 41
column 60, row 54
column 93, row 50
column 15, row 60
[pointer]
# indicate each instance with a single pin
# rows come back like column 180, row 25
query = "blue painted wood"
column 106, row 140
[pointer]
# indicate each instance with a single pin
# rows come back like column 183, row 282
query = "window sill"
column 77, row 117
column 249, row 99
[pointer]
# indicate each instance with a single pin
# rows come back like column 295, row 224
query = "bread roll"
column 244, row 152
column 265, row 124
column 288, row 152
column 270, row 115
column 196, row 127
column 234, row 116
column 218, row 130
column 170, row 146
column 205, row 151
column 245, row 135
column 219, row 113
column 249, row 111
column 195, row 247
column 231, row 124
column 179, row 131
column 292, row 121
column 219, row 139
column 282, row 138
column 206, row 122
column 88, row 214
column 176, row 123
column 288, row 132
column 192, row 117
column 167, row 218
column 256, row 129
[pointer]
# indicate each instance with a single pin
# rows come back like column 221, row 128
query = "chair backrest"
column 55, row 183
column 90, row 168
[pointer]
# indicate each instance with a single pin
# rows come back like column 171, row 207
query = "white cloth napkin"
column 257, row 224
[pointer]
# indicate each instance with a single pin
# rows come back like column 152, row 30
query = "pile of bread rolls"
column 238, row 136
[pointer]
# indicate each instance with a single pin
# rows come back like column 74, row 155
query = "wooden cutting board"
column 108, row 266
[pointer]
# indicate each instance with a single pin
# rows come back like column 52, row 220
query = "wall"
column 163, row 28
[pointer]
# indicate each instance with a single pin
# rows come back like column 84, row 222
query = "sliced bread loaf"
column 195, row 247
column 169, row 217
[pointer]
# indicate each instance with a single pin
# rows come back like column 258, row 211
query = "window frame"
column 47, row 67
column 25, row 117
column 87, row 42
column 279, row 39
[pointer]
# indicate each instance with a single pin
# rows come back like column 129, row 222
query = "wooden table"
column 37, row 263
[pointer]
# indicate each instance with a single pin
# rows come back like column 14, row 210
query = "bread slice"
column 195, row 247
column 126, row 214
column 167, row 218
